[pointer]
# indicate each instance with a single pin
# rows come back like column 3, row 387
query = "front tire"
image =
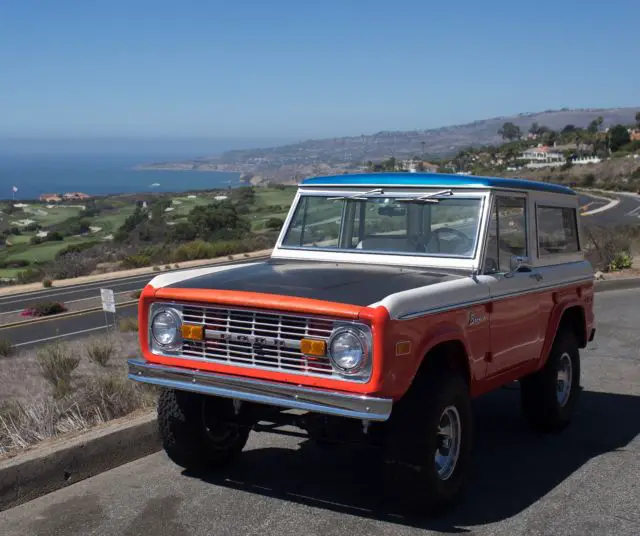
column 431, row 439
column 198, row 431
column 550, row 396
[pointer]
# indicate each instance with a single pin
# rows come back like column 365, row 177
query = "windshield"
column 386, row 224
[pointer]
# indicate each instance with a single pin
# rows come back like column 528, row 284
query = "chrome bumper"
column 263, row 392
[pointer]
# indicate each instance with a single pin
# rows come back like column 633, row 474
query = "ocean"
column 99, row 174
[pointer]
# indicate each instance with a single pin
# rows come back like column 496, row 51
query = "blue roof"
column 435, row 179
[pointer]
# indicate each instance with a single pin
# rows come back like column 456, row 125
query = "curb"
column 51, row 467
column 621, row 283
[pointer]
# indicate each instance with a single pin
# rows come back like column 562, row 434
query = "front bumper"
column 261, row 391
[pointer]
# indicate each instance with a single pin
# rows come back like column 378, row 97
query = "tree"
column 569, row 128
column 274, row 224
column 218, row 220
column 533, row 129
column 638, row 119
column 618, row 137
column 595, row 125
column 510, row 132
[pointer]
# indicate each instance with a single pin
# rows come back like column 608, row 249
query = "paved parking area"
column 585, row 481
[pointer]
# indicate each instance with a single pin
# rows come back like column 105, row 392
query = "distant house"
column 421, row 166
column 51, row 198
column 75, row 196
column 582, row 160
column 542, row 156
column 634, row 134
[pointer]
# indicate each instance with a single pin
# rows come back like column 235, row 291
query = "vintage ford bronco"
column 388, row 302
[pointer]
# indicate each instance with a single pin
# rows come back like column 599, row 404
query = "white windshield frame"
column 383, row 257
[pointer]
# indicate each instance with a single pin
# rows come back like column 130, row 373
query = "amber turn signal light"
column 194, row 333
column 311, row 347
column 403, row 348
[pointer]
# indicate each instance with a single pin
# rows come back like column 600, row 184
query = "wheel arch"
column 451, row 355
column 571, row 317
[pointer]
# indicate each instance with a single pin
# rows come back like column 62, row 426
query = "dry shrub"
column 102, row 399
column 57, row 361
column 6, row 348
column 611, row 248
column 101, row 350
column 128, row 323
column 113, row 396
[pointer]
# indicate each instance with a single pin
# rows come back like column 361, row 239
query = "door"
column 516, row 334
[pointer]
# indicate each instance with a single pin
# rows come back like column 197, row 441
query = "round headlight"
column 165, row 327
column 348, row 350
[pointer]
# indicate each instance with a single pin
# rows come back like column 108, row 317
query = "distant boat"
column 155, row 185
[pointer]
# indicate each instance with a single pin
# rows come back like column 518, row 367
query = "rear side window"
column 557, row 230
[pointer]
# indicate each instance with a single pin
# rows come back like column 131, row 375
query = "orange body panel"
column 504, row 339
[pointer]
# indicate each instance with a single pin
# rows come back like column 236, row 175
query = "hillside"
column 328, row 155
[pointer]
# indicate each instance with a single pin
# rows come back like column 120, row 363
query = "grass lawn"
column 41, row 252
column 47, row 216
column 111, row 221
column 20, row 239
column 275, row 196
column 9, row 272
column 185, row 205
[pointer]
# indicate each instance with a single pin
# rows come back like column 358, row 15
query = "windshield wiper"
column 357, row 196
column 429, row 198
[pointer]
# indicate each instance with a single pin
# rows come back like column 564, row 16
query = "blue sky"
column 292, row 69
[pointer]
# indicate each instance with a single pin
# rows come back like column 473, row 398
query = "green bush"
column 274, row 223
column 76, row 248
column 17, row 263
column 136, row 261
column 100, row 351
column 47, row 283
column 57, row 361
column 621, row 261
column 30, row 275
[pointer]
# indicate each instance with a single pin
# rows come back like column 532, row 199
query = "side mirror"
column 518, row 263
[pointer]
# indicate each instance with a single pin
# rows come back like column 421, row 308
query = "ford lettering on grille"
column 258, row 339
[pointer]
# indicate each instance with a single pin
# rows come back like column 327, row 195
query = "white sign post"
column 108, row 304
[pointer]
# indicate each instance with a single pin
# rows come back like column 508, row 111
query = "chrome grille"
column 262, row 339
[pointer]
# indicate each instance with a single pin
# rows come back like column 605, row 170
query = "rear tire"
column 197, row 431
column 550, row 396
column 431, row 439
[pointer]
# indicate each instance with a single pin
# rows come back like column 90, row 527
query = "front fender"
column 423, row 334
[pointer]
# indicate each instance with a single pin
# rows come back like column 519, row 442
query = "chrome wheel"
column 449, row 438
column 564, row 379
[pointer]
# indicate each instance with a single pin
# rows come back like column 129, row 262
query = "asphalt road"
column 83, row 325
column 583, row 482
column 626, row 212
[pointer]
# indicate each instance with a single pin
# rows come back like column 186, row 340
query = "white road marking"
column 612, row 203
column 50, row 294
column 58, row 336
column 635, row 212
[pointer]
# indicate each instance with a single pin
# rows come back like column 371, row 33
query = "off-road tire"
column 539, row 391
column 413, row 441
column 185, row 436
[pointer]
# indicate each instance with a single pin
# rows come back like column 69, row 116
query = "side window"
column 557, row 230
column 507, row 233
